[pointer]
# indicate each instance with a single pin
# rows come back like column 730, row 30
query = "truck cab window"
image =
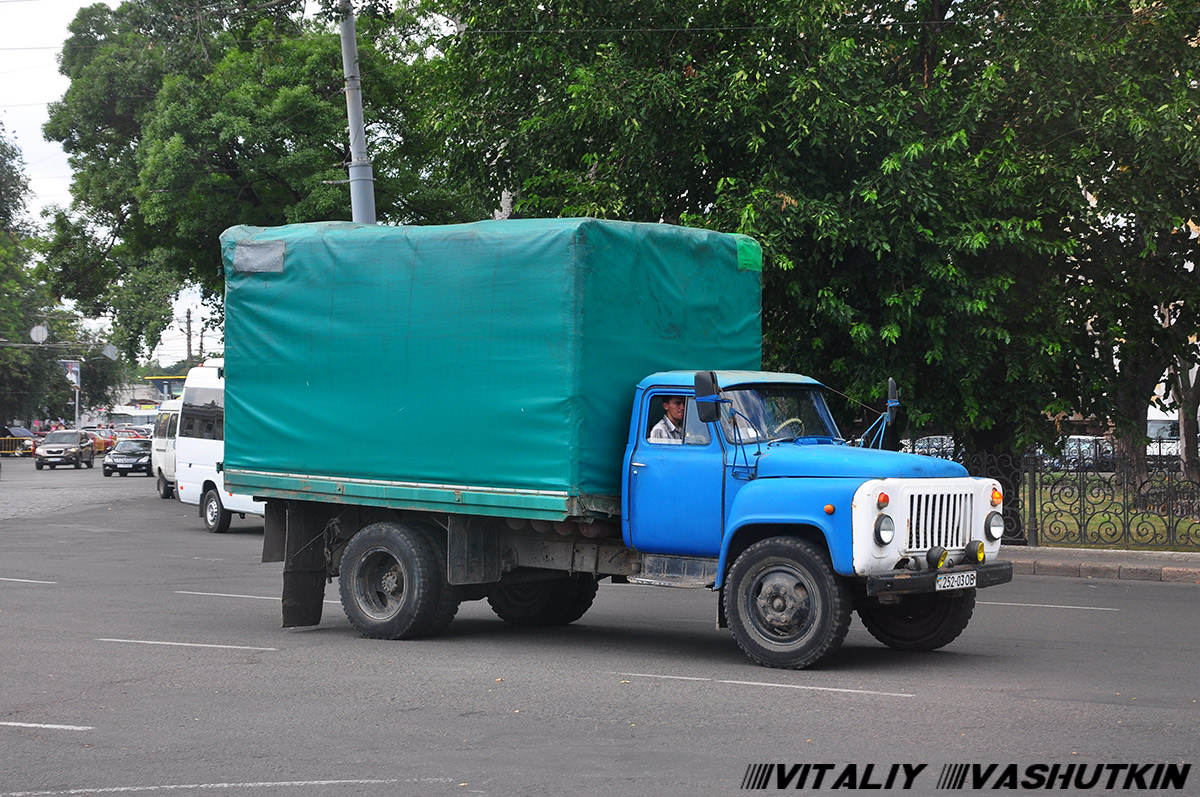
column 672, row 420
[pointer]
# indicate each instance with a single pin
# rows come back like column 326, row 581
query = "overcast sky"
column 31, row 36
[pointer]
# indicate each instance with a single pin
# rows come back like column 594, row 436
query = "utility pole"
column 362, row 182
column 189, row 334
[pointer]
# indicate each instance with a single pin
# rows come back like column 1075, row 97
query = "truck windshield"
column 772, row 413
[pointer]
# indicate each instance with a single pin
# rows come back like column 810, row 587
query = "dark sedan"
column 128, row 456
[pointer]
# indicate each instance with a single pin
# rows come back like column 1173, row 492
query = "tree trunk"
column 993, row 458
column 1186, row 387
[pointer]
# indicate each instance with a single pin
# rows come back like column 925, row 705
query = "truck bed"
column 484, row 368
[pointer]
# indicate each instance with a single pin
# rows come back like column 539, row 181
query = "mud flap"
column 304, row 566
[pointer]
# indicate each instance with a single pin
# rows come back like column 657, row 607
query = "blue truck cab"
column 768, row 504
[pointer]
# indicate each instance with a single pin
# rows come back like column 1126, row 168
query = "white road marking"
column 1050, row 606
column 226, row 595
column 48, row 727
column 232, row 595
column 197, row 786
column 764, row 683
column 183, row 644
column 27, row 581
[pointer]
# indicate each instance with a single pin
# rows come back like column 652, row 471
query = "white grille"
column 939, row 518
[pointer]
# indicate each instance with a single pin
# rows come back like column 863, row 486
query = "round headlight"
column 885, row 530
column 993, row 526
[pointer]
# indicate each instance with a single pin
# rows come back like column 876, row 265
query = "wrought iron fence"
column 1086, row 497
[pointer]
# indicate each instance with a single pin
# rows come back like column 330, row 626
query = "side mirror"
column 706, row 388
column 893, row 401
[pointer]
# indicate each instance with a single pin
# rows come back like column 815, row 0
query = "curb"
column 1053, row 564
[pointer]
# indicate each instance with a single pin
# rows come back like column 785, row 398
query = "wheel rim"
column 379, row 582
column 212, row 512
column 782, row 603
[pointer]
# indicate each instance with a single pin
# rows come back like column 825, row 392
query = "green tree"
column 185, row 118
column 23, row 369
column 915, row 171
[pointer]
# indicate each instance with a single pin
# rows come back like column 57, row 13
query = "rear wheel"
column 216, row 517
column 556, row 601
column 920, row 622
column 588, row 587
column 786, row 607
column 392, row 583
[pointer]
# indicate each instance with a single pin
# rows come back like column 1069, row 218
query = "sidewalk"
column 1086, row 563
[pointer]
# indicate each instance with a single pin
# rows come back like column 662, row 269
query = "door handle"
column 637, row 464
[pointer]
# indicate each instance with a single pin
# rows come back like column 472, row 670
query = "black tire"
column 124, row 473
column 164, row 487
column 37, row 465
column 216, row 516
column 588, row 587
column 920, row 622
column 79, row 462
column 393, row 585
column 91, row 463
column 785, row 605
column 107, row 473
column 533, row 604
column 52, row 467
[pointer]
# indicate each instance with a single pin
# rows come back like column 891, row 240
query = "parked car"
column 16, row 441
column 1083, row 453
column 65, row 447
column 128, row 456
column 102, row 439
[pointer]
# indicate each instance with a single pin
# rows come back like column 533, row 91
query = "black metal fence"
column 1084, row 496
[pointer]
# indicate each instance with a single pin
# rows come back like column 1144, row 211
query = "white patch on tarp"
column 259, row 256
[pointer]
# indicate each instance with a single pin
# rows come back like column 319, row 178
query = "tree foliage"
column 924, row 176
column 988, row 201
column 186, row 118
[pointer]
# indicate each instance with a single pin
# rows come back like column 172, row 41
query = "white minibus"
column 200, row 449
column 162, row 446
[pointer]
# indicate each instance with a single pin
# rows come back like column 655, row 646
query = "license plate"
column 954, row 581
column 54, row 459
column 124, row 466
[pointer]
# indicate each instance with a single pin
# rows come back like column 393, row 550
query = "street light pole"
column 362, row 182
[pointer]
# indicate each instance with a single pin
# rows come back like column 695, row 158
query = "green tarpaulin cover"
column 499, row 355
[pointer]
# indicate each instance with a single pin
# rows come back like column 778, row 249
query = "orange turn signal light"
column 883, row 500
column 997, row 496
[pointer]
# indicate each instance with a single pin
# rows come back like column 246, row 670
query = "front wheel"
column 164, row 486
column 786, row 606
column 216, row 517
column 392, row 583
column 926, row 621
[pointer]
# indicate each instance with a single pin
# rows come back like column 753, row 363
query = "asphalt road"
column 141, row 655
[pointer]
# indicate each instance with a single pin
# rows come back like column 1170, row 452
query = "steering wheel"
column 790, row 421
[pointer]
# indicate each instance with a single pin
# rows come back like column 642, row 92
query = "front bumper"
column 899, row 582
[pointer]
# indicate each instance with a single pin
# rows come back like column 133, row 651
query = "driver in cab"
column 670, row 428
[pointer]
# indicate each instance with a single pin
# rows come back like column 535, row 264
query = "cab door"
column 675, row 486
